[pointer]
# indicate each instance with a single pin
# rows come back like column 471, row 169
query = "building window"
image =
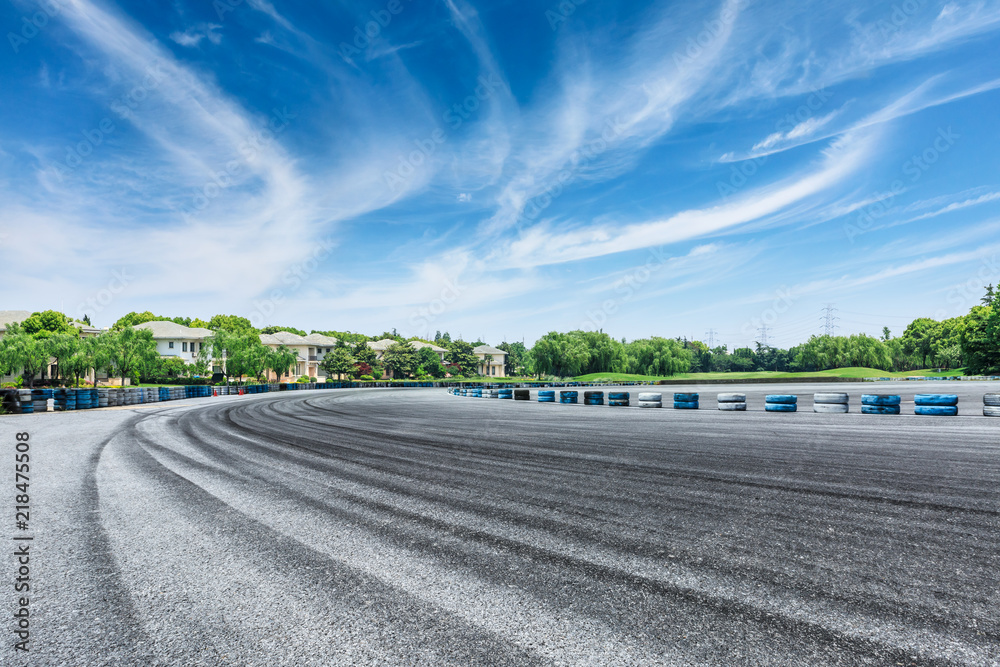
column 170, row 345
column 184, row 347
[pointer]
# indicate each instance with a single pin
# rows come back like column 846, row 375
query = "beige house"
column 176, row 340
column 440, row 351
column 380, row 346
column 492, row 361
column 310, row 349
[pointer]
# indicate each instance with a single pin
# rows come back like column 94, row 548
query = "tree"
column 365, row 355
column 86, row 320
column 989, row 297
column 516, row 357
column 886, row 334
column 48, row 323
column 340, row 362
column 22, row 352
column 399, row 358
column 63, row 347
column 980, row 340
column 231, row 323
column 90, row 355
column 281, row 361
column 918, row 338
column 238, row 352
column 274, row 329
column 460, row 354
column 128, row 350
column 429, row 362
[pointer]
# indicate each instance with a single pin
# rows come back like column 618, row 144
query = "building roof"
column 419, row 345
column 487, row 349
column 165, row 330
column 11, row 316
column 321, row 340
column 284, row 338
column 381, row 345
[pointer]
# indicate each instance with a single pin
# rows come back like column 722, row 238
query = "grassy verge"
column 853, row 372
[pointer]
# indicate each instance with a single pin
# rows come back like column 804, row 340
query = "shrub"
column 366, row 377
column 312, row 379
column 303, row 380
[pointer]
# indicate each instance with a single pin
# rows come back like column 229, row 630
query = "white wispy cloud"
column 193, row 35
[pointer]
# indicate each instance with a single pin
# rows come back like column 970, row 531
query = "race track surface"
column 398, row 527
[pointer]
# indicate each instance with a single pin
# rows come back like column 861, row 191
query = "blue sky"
column 500, row 170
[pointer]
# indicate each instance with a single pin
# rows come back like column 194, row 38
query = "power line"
column 829, row 318
column 763, row 336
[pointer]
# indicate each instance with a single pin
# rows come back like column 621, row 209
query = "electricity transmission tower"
column 829, row 327
column 763, row 336
column 710, row 334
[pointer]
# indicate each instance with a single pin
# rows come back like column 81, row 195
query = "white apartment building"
column 177, row 340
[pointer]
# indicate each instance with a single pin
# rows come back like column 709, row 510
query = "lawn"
column 853, row 372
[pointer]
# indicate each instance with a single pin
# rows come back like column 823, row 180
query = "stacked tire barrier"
column 880, row 404
column 522, row 395
column 831, row 402
column 547, row 396
column 569, row 397
column 938, row 405
column 22, row 401
column 505, row 394
column 593, row 398
column 686, row 401
column 781, row 403
column 40, row 399
column 991, row 405
column 103, row 399
column 730, row 402
column 618, row 399
column 650, row 400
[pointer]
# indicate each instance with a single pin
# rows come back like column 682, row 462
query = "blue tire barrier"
column 618, row 398
column 569, row 397
column 593, row 398
column 879, row 409
column 685, row 398
column 946, row 400
column 505, row 394
column 781, row 399
column 780, row 407
column 936, row 410
column 685, row 405
column 546, row 396
column 880, row 399
column 522, row 395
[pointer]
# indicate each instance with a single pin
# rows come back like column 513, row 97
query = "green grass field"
column 853, row 372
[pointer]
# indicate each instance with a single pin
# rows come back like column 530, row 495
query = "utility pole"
column 710, row 334
column 829, row 319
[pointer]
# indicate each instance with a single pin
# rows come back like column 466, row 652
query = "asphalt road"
column 398, row 527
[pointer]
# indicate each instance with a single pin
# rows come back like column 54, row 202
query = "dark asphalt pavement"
column 399, row 527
